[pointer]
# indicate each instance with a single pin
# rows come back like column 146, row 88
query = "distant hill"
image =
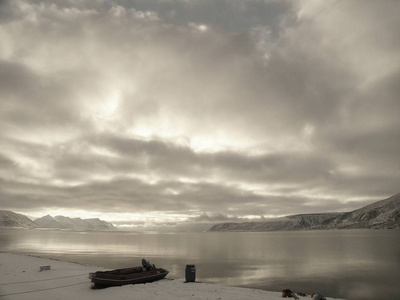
column 295, row 222
column 379, row 215
column 12, row 219
column 49, row 222
column 61, row 222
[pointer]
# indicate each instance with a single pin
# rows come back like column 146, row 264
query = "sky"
column 145, row 112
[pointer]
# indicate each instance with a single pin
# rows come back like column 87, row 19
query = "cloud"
column 192, row 107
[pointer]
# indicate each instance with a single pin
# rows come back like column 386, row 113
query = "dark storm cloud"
column 210, row 108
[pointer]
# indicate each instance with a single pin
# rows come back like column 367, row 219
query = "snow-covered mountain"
column 93, row 224
column 295, row 222
column 49, row 222
column 66, row 221
column 62, row 222
column 379, row 215
column 12, row 219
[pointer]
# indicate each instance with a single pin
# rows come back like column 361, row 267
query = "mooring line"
column 41, row 290
column 44, row 279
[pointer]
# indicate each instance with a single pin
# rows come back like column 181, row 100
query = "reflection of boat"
column 118, row 277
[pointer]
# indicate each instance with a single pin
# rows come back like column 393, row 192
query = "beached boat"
column 145, row 273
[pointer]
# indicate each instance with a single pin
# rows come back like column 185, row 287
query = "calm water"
column 352, row 264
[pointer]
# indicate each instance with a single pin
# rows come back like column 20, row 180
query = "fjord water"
column 351, row 264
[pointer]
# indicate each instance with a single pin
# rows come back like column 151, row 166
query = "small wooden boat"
column 145, row 273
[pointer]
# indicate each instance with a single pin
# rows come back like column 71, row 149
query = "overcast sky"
column 139, row 111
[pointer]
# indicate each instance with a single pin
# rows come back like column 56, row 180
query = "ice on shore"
column 21, row 278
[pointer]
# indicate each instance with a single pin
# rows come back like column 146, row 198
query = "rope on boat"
column 44, row 279
column 41, row 290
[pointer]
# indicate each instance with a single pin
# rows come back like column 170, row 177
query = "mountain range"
column 384, row 214
column 62, row 222
column 12, row 219
column 294, row 222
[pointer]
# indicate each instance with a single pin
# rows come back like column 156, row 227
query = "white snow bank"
column 20, row 278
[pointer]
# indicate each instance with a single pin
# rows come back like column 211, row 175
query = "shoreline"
column 21, row 278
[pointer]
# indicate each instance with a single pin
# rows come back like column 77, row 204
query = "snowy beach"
column 21, row 278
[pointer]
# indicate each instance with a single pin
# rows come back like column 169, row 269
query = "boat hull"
column 126, row 276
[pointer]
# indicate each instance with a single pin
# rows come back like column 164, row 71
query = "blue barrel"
column 190, row 273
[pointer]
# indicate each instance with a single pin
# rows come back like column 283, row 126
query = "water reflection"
column 349, row 264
